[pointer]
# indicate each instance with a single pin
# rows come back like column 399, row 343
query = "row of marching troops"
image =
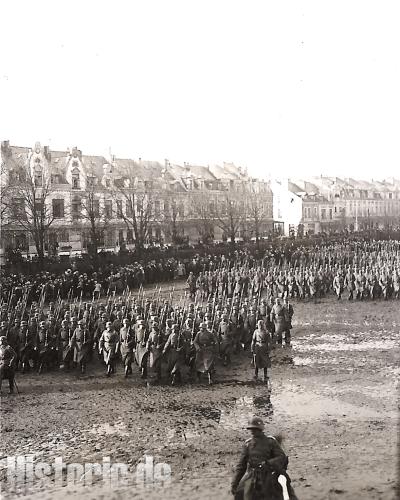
column 305, row 269
column 184, row 339
column 300, row 282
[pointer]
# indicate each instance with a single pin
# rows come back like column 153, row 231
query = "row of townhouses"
column 124, row 201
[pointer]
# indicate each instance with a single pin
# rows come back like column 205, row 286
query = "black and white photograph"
column 199, row 250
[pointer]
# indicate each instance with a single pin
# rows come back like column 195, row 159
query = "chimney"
column 5, row 148
column 46, row 152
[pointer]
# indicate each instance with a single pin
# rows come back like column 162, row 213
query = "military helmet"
column 255, row 423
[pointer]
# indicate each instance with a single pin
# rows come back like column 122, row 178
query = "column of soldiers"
column 228, row 309
column 182, row 340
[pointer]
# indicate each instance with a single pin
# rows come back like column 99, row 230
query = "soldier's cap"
column 3, row 339
column 80, row 322
column 108, row 323
column 203, row 325
column 42, row 323
column 126, row 320
column 255, row 423
column 23, row 322
column 64, row 322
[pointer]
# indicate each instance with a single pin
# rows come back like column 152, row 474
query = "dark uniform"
column 261, row 467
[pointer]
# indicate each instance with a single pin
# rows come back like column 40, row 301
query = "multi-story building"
column 328, row 204
column 123, row 200
column 359, row 204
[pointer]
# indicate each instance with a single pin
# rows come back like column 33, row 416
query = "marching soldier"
column 278, row 319
column 141, row 354
column 127, row 346
column 175, row 349
column 26, row 346
column 338, row 285
column 225, row 339
column 154, row 348
column 260, row 346
column 65, row 351
column 289, row 312
column 108, row 346
column 205, row 343
column 44, row 347
column 81, row 343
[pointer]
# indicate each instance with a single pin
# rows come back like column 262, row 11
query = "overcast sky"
column 282, row 87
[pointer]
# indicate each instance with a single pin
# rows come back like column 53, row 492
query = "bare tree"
column 173, row 215
column 230, row 214
column 139, row 213
column 201, row 203
column 30, row 207
column 98, row 217
column 256, row 211
column 4, row 194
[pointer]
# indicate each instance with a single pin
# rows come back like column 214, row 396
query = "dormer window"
column 75, row 178
column 108, row 183
column 38, row 175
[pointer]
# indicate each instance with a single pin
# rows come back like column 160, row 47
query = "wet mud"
column 333, row 398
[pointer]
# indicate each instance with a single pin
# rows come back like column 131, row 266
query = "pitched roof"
column 223, row 173
column 146, row 170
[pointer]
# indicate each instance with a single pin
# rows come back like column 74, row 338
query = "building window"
column 108, row 208
column 119, row 209
column 330, row 214
column 63, row 235
column 109, row 238
column 108, row 182
column 121, row 237
column 90, row 182
column 76, row 208
column 58, row 209
column 128, row 209
column 38, row 176
column 157, row 209
column 75, row 179
column 129, row 236
column 119, row 183
column 181, row 210
column 96, row 208
column 166, row 208
column 39, row 208
column 17, row 207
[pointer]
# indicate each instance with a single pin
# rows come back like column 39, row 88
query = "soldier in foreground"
column 261, row 471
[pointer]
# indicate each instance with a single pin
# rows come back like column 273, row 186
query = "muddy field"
column 334, row 398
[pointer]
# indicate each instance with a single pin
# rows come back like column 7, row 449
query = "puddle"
column 370, row 345
column 110, row 429
column 296, row 404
